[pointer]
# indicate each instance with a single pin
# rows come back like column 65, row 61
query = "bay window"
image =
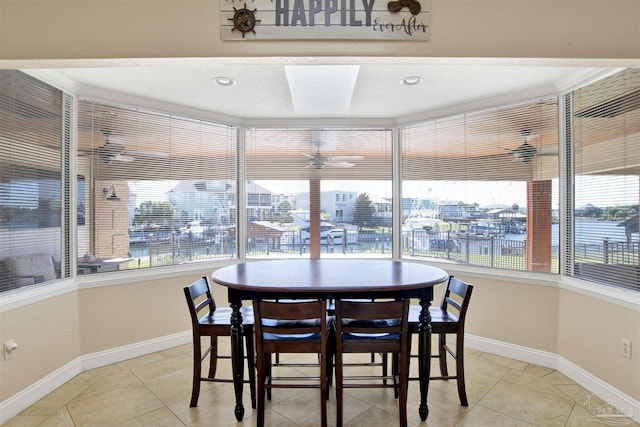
column 550, row 186
column 35, row 209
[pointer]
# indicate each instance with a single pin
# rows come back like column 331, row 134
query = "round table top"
column 328, row 275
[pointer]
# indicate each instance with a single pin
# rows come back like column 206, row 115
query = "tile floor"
column 154, row 390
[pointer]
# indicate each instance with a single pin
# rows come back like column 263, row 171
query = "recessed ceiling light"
column 224, row 81
column 411, row 80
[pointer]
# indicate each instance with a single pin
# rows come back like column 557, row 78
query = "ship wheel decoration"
column 244, row 20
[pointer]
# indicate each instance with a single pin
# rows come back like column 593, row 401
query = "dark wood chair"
column 372, row 327
column 331, row 310
column 209, row 321
column 449, row 318
column 292, row 327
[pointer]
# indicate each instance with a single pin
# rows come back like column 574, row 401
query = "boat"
column 485, row 228
column 329, row 232
column 429, row 224
column 193, row 230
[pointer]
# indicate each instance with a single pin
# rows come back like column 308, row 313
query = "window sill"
column 36, row 293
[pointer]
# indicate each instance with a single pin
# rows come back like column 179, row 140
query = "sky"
column 501, row 193
column 599, row 191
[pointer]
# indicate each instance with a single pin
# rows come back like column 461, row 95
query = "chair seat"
column 442, row 321
column 222, row 317
column 290, row 337
column 355, row 336
column 207, row 320
column 448, row 318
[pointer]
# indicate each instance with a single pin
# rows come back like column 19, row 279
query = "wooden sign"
column 324, row 19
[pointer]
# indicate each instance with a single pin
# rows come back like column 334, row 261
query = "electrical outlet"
column 10, row 348
column 625, row 348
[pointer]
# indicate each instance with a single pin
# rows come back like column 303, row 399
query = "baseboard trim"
column 119, row 354
column 612, row 396
column 36, row 391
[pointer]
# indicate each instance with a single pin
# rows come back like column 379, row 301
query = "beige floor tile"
column 539, row 371
column 161, row 366
column 480, row 369
column 58, row 398
column 302, row 408
column 503, row 361
column 443, row 403
column 161, row 417
column 376, row 417
column 121, row 380
column 177, row 351
column 581, row 417
column 556, row 377
column 172, row 387
column 543, row 407
column 25, row 421
column 528, row 380
column 62, row 418
column 113, row 407
column 140, row 361
column 215, row 407
column 155, row 390
column 484, row 417
column 103, row 371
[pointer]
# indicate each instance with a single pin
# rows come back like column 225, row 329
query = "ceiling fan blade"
column 123, row 158
column 344, row 158
column 157, row 154
column 548, row 150
column 340, row 164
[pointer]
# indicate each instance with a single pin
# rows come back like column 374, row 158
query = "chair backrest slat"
column 379, row 317
column 290, row 318
column 462, row 293
column 199, row 298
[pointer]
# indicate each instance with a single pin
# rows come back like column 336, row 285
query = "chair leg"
column 385, row 366
column 261, row 388
column 394, row 371
column 213, row 357
column 197, row 368
column 404, row 388
column 442, row 354
column 251, row 366
column 339, row 380
column 267, row 373
column 329, row 363
column 462, row 392
column 324, row 390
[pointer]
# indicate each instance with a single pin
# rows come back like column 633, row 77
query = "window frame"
column 35, row 293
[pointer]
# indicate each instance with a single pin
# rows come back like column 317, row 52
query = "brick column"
column 539, row 226
column 111, row 222
column 314, row 218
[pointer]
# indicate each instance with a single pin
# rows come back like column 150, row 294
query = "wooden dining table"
column 329, row 278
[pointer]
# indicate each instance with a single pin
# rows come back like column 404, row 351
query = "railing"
column 486, row 251
column 621, row 252
column 171, row 249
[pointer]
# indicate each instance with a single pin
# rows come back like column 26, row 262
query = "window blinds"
column 472, row 185
column 606, row 136
column 160, row 186
column 32, row 201
column 298, row 177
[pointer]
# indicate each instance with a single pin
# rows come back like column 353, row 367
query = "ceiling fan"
column 114, row 151
column 318, row 161
column 526, row 152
